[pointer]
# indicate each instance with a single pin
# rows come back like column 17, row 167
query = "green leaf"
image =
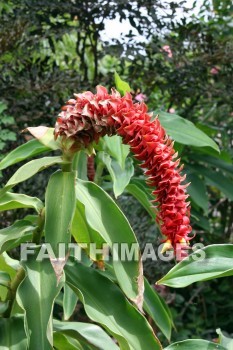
column 89, row 332
column 217, row 262
column 197, row 191
column 4, row 278
column 224, row 341
column 12, row 334
column 4, row 266
column 114, row 146
column 105, row 303
column 36, row 295
column 218, row 180
column 60, row 204
column 104, row 216
column 62, row 342
column 31, row 168
column 30, row 149
column 120, row 178
column 184, row 131
column 16, row 201
column 214, row 162
column 121, row 85
column 80, row 164
column 12, row 236
column 194, row 344
column 69, row 302
column 142, row 197
column 83, row 232
column 45, row 136
column 155, row 306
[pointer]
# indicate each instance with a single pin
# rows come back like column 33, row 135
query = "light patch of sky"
column 114, row 29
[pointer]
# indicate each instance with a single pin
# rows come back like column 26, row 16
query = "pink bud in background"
column 215, row 70
column 171, row 110
column 168, row 50
column 141, row 97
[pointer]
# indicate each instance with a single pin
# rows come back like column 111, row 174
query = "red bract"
column 89, row 116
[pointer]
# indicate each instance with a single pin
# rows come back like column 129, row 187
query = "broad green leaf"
column 12, row 236
column 142, row 197
column 16, row 201
column 218, row 180
column 194, row 344
column 114, row 146
column 29, row 149
column 4, row 278
column 104, row 216
column 36, row 295
column 184, row 131
column 224, row 341
column 121, row 85
column 105, row 303
column 59, row 208
column 3, row 307
column 120, row 178
column 45, row 136
column 91, row 333
column 61, row 342
column 208, row 263
column 69, row 302
column 197, row 191
column 83, row 232
column 214, row 162
column 12, row 334
column 158, row 310
column 31, row 168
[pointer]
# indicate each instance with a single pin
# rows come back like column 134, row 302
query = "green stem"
column 36, row 237
column 99, row 172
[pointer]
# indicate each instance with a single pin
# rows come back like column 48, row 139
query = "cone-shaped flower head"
column 90, row 116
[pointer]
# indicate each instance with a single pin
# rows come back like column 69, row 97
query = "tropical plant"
column 77, row 213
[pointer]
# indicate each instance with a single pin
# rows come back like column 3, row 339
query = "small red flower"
column 90, row 116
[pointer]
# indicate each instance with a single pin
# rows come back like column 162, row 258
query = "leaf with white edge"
column 211, row 262
column 45, row 136
column 156, row 307
column 12, row 236
column 60, row 202
column 104, row 216
column 10, row 271
column 194, row 344
column 12, row 334
column 16, row 201
column 120, row 178
column 120, row 318
column 31, row 168
column 29, row 149
column 184, row 131
column 36, row 295
column 121, row 85
column 91, row 333
column 114, row 146
column 69, row 302
column 224, row 341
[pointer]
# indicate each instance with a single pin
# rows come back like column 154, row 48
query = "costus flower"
column 89, row 116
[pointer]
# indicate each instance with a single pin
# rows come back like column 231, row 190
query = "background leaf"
column 194, row 344
column 16, row 201
column 184, row 131
column 218, row 262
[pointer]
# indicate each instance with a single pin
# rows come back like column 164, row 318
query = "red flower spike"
column 88, row 117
